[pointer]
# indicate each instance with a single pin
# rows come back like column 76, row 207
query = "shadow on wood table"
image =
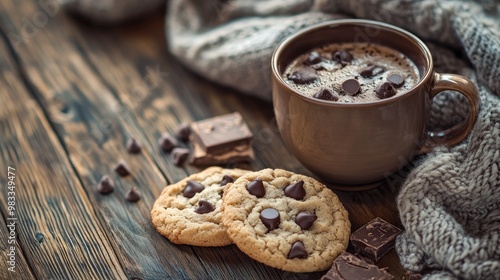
column 71, row 96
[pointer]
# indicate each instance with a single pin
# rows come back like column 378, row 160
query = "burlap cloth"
column 449, row 204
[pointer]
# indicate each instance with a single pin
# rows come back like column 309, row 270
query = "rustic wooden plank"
column 94, row 129
column 55, row 222
column 13, row 263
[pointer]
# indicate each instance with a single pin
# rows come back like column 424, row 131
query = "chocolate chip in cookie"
column 270, row 217
column 296, row 190
column 297, row 251
column 192, row 188
column 305, row 220
column 204, row 206
column 256, row 187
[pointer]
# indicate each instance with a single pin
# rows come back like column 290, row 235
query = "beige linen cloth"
column 449, row 203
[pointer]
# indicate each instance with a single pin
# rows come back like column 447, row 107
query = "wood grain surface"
column 74, row 93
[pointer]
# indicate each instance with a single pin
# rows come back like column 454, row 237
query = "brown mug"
column 354, row 146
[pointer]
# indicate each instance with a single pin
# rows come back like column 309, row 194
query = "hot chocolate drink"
column 351, row 73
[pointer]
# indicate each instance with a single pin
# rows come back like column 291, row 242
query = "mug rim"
column 362, row 22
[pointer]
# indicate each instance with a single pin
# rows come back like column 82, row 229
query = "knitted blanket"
column 449, row 203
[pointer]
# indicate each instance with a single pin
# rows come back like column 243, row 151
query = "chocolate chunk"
column 192, row 187
column 296, row 190
column 351, row 86
column 180, row 155
column 133, row 195
column 396, row 80
column 204, row 206
column 133, row 146
column 305, row 220
column 122, row 168
column 374, row 239
column 371, row 71
column 226, row 179
column 347, row 267
column 241, row 153
column 256, row 187
column 167, row 142
column 410, row 275
column 183, row 131
column 297, row 251
column 342, row 57
column 304, row 75
column 106, row 185
column 312, row 58
column 221, row 134
column 385, row 90
column 326, row 94
column 270, row 217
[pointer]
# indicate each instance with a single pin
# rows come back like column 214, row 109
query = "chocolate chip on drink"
column 133, row 146
column 180, row 155
column 305, row 219
column 351, row 86
column 326, row 94
column 226, row 179
column 192, row 187
column 296, row 190
column 312, row 58
column 342, row 57
column 304, row 75
column 371, row 71
column 385, row 90
column 396, row 80
column 270, row 217
column 183, row 131
column 122, row 168
column 204, row 206
column 133, row 195
column 297, row 251
column 256, row 187
column 167, row 142
column 105, row 185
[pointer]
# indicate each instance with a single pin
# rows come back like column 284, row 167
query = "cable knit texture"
column 449, row 203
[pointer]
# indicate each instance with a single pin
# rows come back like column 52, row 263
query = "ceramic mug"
column 354, row 146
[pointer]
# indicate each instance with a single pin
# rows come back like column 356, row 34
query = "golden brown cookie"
column 286, row 220
column 189, row 212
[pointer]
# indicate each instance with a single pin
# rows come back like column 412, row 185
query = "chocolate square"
column 220, row 134
column 242, row 153
column 348, row 267
column 375, row 238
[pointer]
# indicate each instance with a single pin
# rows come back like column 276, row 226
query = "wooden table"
column 71, row 94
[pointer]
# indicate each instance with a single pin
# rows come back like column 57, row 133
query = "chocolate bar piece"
column 375, row 238
column 220, row 134
column 347, row 267
column 199, row 157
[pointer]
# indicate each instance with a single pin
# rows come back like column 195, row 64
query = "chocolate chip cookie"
column 286, row 220
column 189, row 212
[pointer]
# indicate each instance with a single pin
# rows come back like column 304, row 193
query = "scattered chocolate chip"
column 180, row 155
column 304, row 75
column 183, row 131
column 305, row 219
column 396, row 80
column 371, row 71
column 312, row 58
column 351, row 86
column 192, row 187
column 385, row 90
column 256, row 187
column 133, row 195
column 326, row 94
column 105, row 185
column 296, row 190
column 226, row 179
column 122, row 168
column 270, row 217
column 342, row 57
column 167, row 142
column 204, row 206
column 133, row 147
column 297, row 251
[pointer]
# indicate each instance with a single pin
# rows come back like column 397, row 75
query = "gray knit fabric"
column 449, row 203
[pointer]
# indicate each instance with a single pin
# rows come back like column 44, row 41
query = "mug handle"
column 458, row 133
